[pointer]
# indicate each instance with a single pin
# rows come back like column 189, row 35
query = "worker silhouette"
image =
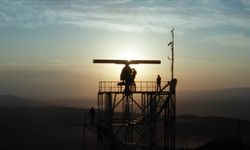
column 92, row 114
column 158, row 81
column 126, row 75
column 133, row 85
column 126, row 78
column 133, row 74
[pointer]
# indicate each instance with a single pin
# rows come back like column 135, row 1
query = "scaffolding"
column 143, row 119
column 135, row 115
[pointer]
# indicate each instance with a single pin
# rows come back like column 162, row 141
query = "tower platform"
column 136, row 87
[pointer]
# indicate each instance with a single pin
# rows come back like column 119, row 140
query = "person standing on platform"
column 158, row 81
column 92, row 114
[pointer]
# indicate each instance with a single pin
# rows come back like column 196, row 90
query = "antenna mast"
column 172, row 57
column 172, row 54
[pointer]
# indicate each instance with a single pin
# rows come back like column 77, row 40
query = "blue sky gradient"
column 47, row 47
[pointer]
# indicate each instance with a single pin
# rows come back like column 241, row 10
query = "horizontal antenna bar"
column 115, row 61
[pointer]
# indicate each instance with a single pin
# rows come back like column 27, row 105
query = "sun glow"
column 128, row 53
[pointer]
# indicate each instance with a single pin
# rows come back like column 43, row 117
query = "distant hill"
column 194, row 131
column 15, row 101
column 228, row 144
column 233, row 102
column 216, row 95
column 53, row 128
column 73, row 102
column 47, row 128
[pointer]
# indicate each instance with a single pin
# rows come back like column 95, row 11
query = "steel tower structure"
column 135, row 116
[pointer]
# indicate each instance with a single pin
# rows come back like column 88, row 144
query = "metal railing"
column 139, row 86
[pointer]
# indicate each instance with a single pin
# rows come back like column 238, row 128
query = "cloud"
column 229, row 40
column 133, row 16
column 39, row 64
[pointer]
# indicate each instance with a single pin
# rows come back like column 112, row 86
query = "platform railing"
column 137, row 87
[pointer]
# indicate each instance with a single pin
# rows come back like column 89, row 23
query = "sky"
column 47, row 47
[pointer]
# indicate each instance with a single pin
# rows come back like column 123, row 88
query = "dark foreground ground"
column 60, row 128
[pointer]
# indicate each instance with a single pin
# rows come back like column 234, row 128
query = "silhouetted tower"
column 135, row 115
column 171, row 116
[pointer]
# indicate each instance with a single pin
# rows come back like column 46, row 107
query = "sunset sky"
column 47, row 47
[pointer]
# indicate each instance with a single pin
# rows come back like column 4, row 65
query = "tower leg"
column 108, row 118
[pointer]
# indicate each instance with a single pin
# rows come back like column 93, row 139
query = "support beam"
column 116, row 61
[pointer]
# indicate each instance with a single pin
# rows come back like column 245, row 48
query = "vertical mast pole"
column 172, row 58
